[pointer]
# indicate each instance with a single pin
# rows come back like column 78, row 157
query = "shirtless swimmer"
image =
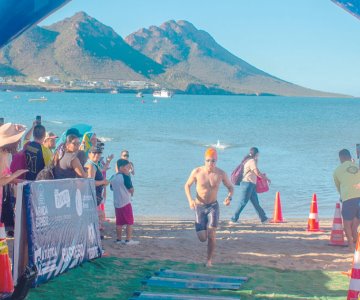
column 207, row 179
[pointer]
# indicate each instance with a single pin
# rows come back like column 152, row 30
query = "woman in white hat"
column 10, row 136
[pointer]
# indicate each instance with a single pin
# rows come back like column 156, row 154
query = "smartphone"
column 38, row 120
column 2, row 121
column 358, row 151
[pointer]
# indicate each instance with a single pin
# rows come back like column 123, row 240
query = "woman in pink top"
column 247, row 189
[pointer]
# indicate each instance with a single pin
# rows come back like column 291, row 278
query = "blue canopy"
column 351, row 6
column 82, row 129
column 18, row 15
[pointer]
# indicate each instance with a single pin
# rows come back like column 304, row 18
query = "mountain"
column 195, row 61
column 8, row 71
column 175, row 55
column 79, row 47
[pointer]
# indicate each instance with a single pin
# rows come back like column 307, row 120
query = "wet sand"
column 284, row 246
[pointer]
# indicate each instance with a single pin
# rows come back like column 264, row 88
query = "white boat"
column 139, row 95
column 41, row 99
column 163, row 93
column 113, row 92
column 219, row 145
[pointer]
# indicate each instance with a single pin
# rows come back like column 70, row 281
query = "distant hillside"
column 175, row 55
column 192, row 56
column 78, row 47
column 8, row 71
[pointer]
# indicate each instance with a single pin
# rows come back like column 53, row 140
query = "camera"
column 38, row 120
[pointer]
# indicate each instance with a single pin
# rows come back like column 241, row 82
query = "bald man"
column 207, row 179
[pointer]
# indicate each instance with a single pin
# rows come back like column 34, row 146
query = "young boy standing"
column 123, row 189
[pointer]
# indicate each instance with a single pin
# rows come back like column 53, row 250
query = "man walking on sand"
column 207, row 179
column 346, row 178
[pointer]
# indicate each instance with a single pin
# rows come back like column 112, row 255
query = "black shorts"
column 207, row 215
column 351, row 209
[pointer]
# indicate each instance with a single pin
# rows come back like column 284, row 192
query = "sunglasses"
column 76, row 144
column 210, row 160
column 125, row 155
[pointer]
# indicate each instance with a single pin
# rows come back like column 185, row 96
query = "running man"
column 207, row 179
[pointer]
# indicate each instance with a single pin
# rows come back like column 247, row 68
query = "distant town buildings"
column 50, row 79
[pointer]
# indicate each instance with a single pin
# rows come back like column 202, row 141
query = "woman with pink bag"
column 248, row 186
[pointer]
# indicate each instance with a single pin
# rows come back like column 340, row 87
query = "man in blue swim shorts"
column 347, row 181
column 207, row 179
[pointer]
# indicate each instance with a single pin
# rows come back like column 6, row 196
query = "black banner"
column 62, row 225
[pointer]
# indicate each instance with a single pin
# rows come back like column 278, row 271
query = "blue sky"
column 313, row 43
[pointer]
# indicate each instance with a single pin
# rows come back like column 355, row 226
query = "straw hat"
column 50, row 135
column 10, row 133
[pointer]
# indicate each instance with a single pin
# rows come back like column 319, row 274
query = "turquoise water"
column 298, row 138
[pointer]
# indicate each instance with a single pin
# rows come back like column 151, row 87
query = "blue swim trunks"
column 206, row 215
column 351, row 209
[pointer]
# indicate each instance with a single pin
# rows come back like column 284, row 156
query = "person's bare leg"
column 202, row 235
column 349, row 234
column 354, row 229
column 118, row 232
column 211, row 246
column 101, row 215
column 128, row 232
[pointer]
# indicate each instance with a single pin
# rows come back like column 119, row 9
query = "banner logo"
column 78, row 202
column 62, row 198
column 91, row 233
column 45, row 259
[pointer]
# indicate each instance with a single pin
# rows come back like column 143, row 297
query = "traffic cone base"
column 337, row 231
column 354, row 285
column 277, row 218
column 313, row 222
column 6, row 283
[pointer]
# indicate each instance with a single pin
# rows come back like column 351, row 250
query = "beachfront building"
column 49, row 79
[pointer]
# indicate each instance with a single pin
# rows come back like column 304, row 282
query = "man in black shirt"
column 33, row 152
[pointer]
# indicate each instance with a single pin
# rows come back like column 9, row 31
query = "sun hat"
column 11, row 133
column 50, row 135
column 73, row 131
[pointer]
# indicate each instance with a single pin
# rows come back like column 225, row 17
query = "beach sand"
column 283, row 246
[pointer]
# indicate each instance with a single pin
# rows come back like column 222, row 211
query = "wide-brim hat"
column 50, row 135
column 10, row 133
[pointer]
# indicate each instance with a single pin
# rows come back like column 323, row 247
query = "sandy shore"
column 284, row 246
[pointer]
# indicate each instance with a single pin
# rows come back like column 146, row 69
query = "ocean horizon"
column 298, row 138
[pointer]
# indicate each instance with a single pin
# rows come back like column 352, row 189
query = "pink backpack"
column 238, row 174
column 18, row 162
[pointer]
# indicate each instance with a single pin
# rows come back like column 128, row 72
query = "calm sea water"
column 298, row 139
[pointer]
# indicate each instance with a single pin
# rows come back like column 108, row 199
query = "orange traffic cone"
column 337, row 231
column 313, row 222
column 354, row 286
column 6, row 283
column 277, row 218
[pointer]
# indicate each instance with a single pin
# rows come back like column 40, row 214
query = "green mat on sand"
column 118, row 278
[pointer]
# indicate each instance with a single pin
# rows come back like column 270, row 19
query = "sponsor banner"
column 62, row 223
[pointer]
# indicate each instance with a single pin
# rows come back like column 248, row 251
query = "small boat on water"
column 114, row 92
column 219, row 145
column 163, row 93
column 41, row 99
column 139, row 95
column 16, row 97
